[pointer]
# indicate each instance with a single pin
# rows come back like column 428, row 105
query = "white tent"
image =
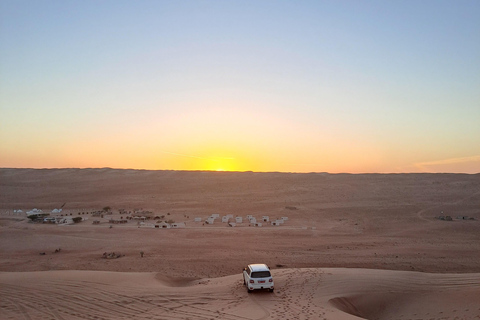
column 36, row 212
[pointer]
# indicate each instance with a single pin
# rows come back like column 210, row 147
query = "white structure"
column 257, row 224
column 209, row 220
column 284, row 218
column 227, row 217
column 238, row 219
column 249, row 216
column 178, row 225
column 253, row 220
column 56, row 210
column 198, row 219
column 232, row 224
column 279, row 221
column 65, row 221
column 215, row 215
column 146, row 225
column 35, row 211
column 162, row 225
column 274, row 223
column 266, row 218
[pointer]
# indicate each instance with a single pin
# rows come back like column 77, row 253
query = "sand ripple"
column 300, row 294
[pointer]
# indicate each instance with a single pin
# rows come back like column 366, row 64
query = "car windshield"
column 260, row 274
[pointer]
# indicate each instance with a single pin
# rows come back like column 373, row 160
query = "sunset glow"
column 223, row 86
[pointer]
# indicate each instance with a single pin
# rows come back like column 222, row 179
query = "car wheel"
column 271, row 290
column 244, row 283
column 248, row 290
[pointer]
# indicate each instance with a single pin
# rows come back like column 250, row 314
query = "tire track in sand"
column 70, row 299
column 298, row 295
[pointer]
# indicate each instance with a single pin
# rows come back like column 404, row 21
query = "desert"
column 253, row 160
column 371, row 246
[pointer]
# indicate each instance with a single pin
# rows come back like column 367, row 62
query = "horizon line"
column 233, row 171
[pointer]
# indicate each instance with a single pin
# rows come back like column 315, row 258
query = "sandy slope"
column 327, row 259
column 300, row 294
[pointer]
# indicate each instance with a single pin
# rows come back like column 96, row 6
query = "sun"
column 221, row 165
column 214, row 160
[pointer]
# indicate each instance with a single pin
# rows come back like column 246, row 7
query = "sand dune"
column 352, row 246
column 328, row 293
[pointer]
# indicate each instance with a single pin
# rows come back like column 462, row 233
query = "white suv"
column 257, row 276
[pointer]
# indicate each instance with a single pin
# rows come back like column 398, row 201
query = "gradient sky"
column 293, row 86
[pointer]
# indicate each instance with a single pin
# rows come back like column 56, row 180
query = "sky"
column 289, row 86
